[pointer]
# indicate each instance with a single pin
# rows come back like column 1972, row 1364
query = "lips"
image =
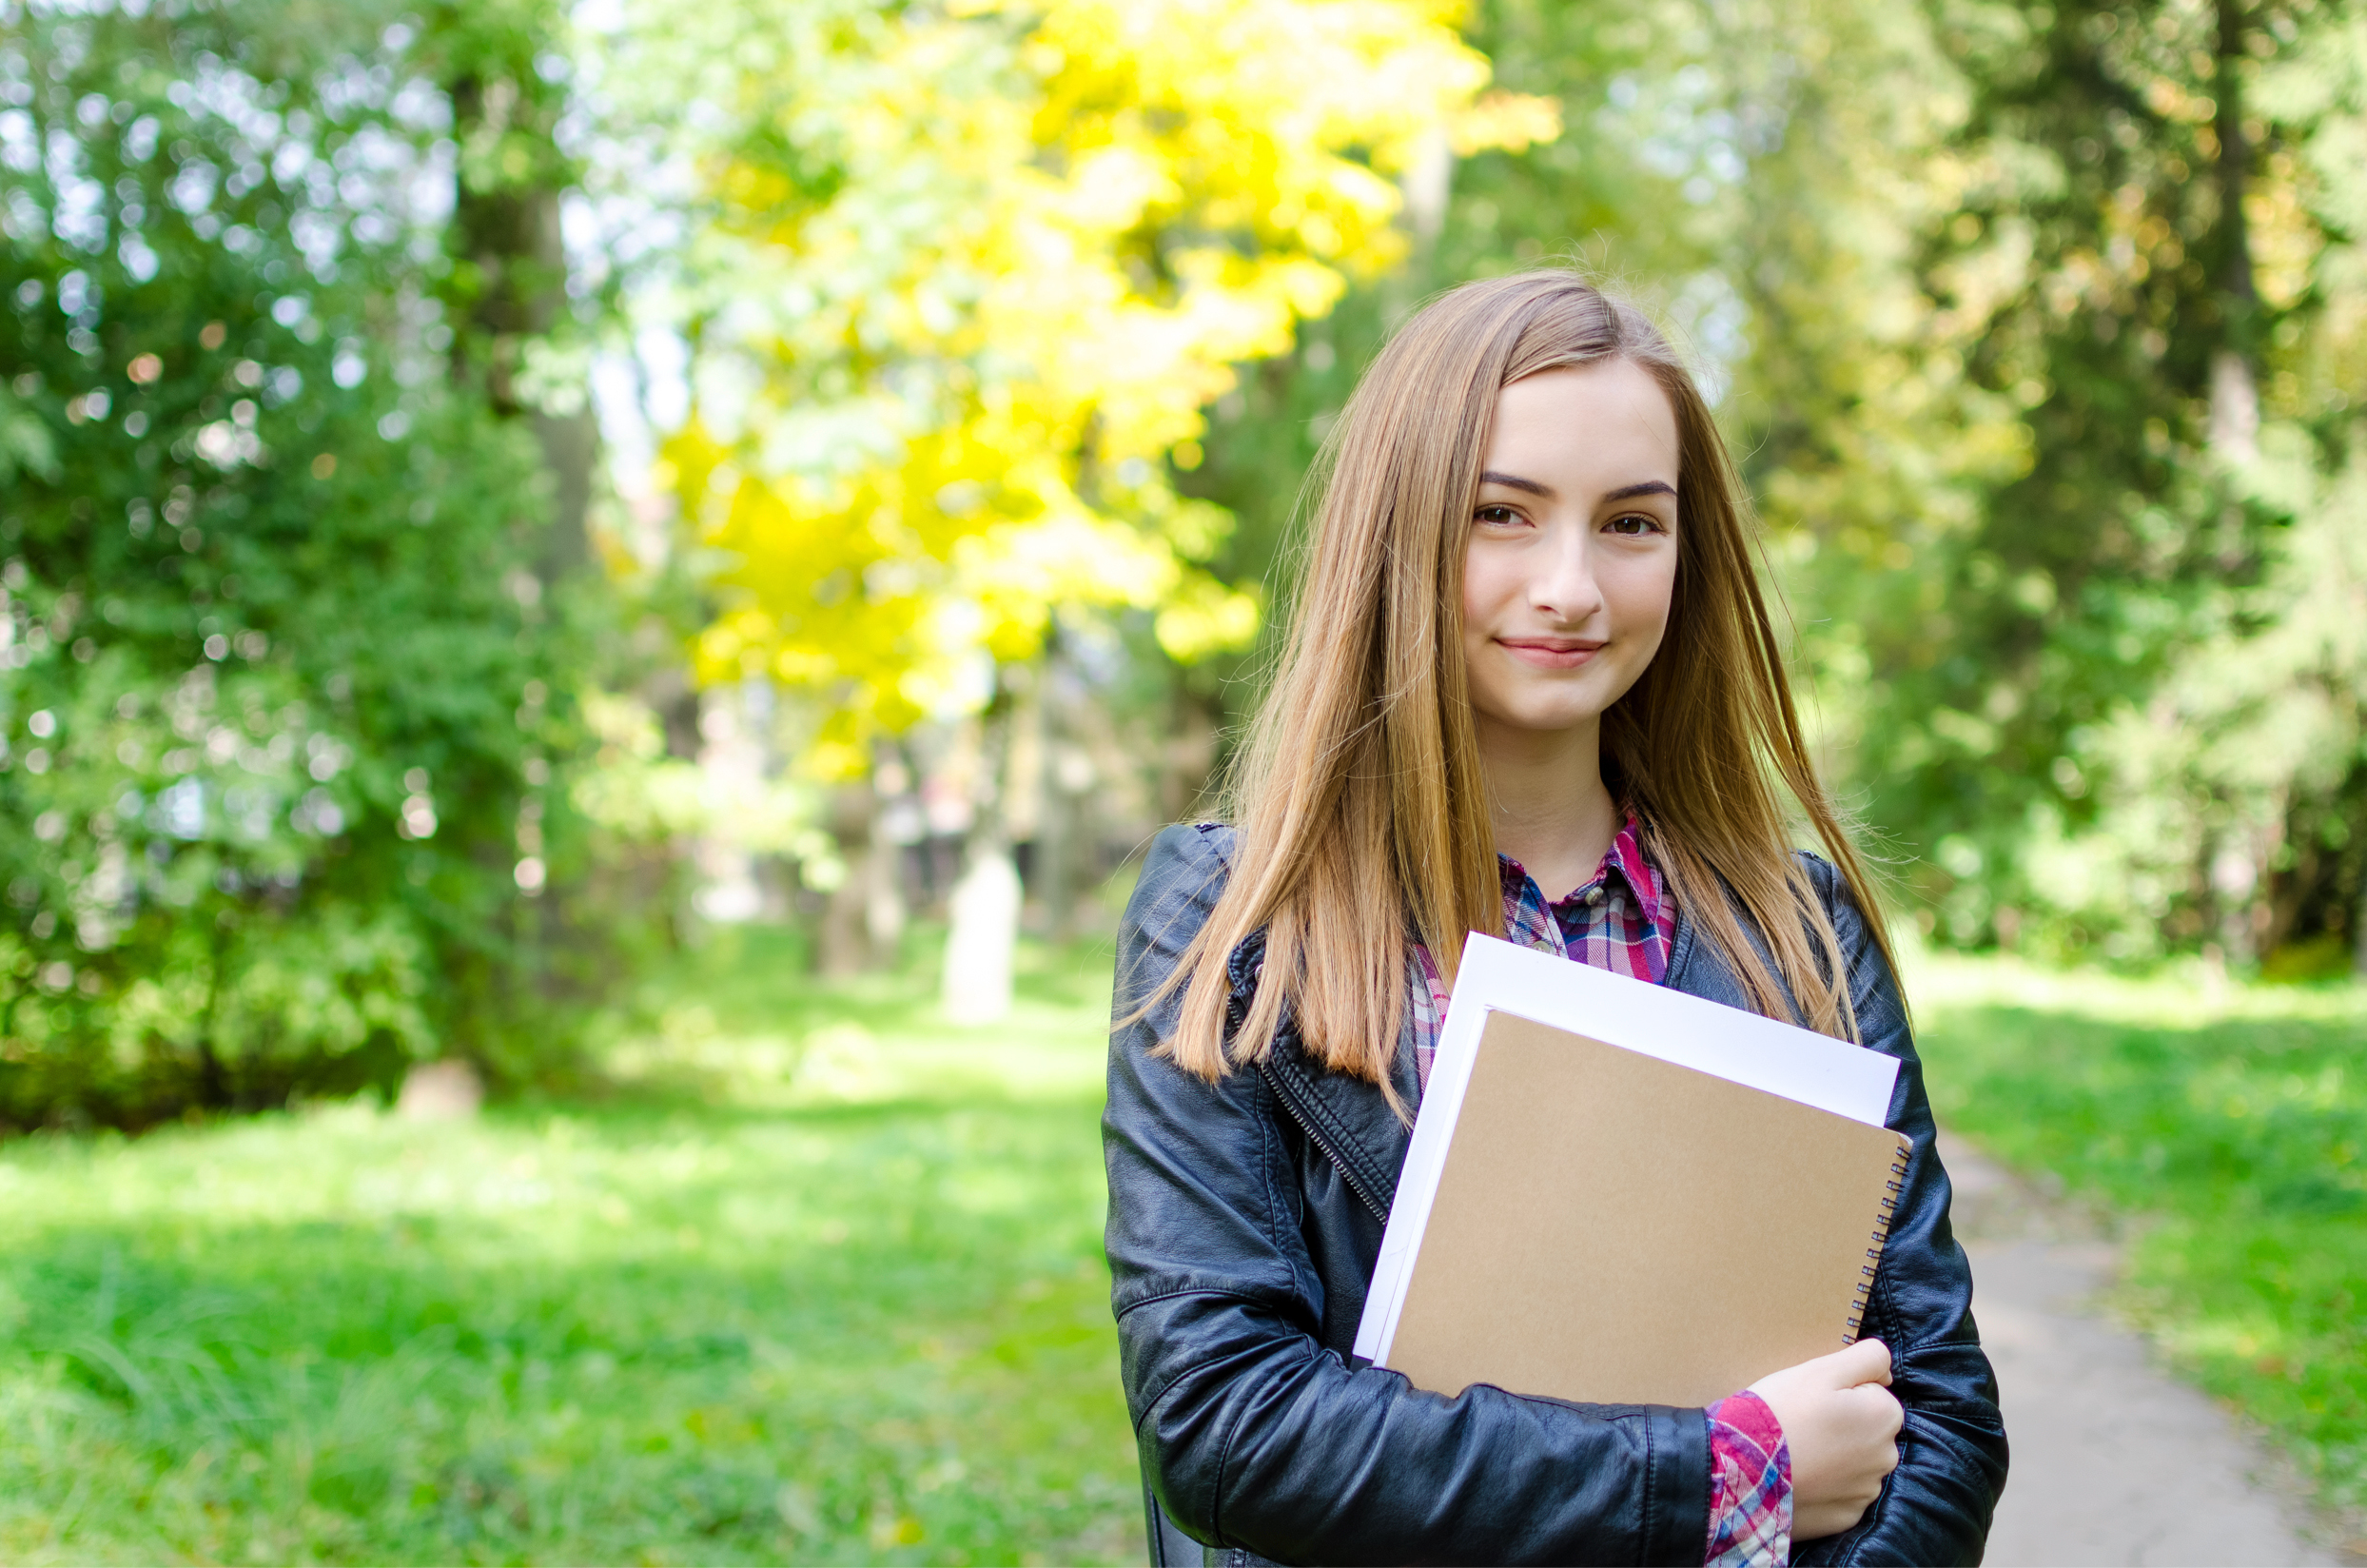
column 1550, row 653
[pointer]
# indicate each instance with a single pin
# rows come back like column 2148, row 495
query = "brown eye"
column 1498, row 515
column 1635, row 523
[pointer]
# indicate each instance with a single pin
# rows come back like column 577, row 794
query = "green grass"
column 827, row 1285
column 821, row 1278
column 2233, row 1131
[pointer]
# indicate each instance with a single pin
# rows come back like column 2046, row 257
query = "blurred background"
column 598, row 599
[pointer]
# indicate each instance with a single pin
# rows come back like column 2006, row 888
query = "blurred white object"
column 734, row 767
column 439, row 1091
column 978, row 949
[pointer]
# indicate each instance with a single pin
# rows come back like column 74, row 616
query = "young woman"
column 1530, row 688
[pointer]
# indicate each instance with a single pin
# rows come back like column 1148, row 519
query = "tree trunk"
column 213, row 1079
column 2233, row 162
column 508, row 240
column 883, row 893
column 1064, row 836
column 1191, row 754
column 510, row 281
column 2235, row 417
column 1068, row 845
column 847, row 945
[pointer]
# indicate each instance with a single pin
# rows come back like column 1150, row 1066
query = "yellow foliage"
column 1207, row 617
column 1513, row 120
column 979, row 269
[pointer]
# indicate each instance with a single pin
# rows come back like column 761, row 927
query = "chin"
column 1562, row 723
column 1545, row 719
column 1533, row 702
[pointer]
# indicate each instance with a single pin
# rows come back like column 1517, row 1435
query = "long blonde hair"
column 1362, row 812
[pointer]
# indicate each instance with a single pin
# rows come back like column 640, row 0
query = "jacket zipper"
column 1322, row 1143
column 1251, row 953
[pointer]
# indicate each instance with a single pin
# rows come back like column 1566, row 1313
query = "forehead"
column 1610, row 413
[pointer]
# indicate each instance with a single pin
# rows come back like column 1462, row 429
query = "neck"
column 1548, row 802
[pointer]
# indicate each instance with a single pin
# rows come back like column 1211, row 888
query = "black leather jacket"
column 1244, row 1217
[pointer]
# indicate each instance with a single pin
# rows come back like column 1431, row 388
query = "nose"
column 1564, row 586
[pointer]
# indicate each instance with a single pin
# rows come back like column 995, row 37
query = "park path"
column 2113, row 1461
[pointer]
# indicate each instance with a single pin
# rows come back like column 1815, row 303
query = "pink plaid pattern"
column 1615, row 922
column 1621, row 921
column 1750, row 1486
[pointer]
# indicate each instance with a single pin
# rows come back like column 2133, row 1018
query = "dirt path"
column 2113, row 1461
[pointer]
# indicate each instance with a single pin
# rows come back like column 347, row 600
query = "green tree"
column 2034, row 326
column 286, row 709
column 2134, row 273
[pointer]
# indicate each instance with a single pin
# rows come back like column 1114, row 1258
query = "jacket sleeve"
column 1936, row 1505
column 1252, row 1434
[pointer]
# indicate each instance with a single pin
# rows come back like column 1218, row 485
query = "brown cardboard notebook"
column 1617, row 1230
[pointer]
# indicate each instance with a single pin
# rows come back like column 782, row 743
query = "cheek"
column 1643, row 594
column 1480, row 592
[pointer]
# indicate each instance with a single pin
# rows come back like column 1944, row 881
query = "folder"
column 1659, row 1206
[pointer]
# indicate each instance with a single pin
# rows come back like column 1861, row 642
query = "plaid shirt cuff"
column 1750, row 1486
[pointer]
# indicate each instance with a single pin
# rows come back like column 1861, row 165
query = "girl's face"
column 1572, row 553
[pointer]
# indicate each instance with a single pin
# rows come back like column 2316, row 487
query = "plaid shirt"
column 1750, row 1486
column 1621, row 921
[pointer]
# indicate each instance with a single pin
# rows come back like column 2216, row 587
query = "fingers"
column 1843, row 1424
column 1893, row 1418
column 1879, row 1419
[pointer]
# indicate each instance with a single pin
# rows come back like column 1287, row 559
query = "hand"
column 1841, row 1422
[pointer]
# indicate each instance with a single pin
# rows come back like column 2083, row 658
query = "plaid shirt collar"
column 1620, row 920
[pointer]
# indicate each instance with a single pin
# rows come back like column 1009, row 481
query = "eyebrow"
column 1650, row 488
column 1627, row 492
column 1514, row 482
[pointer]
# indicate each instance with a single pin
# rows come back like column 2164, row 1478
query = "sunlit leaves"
column 968, row 279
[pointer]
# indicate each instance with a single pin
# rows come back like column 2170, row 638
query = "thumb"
column 1868, row 1361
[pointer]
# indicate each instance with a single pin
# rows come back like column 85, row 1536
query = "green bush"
column 284, row 710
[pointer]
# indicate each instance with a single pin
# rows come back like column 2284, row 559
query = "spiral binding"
column 1896, row 1184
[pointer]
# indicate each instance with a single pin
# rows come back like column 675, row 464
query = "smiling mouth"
column 1550, row 653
